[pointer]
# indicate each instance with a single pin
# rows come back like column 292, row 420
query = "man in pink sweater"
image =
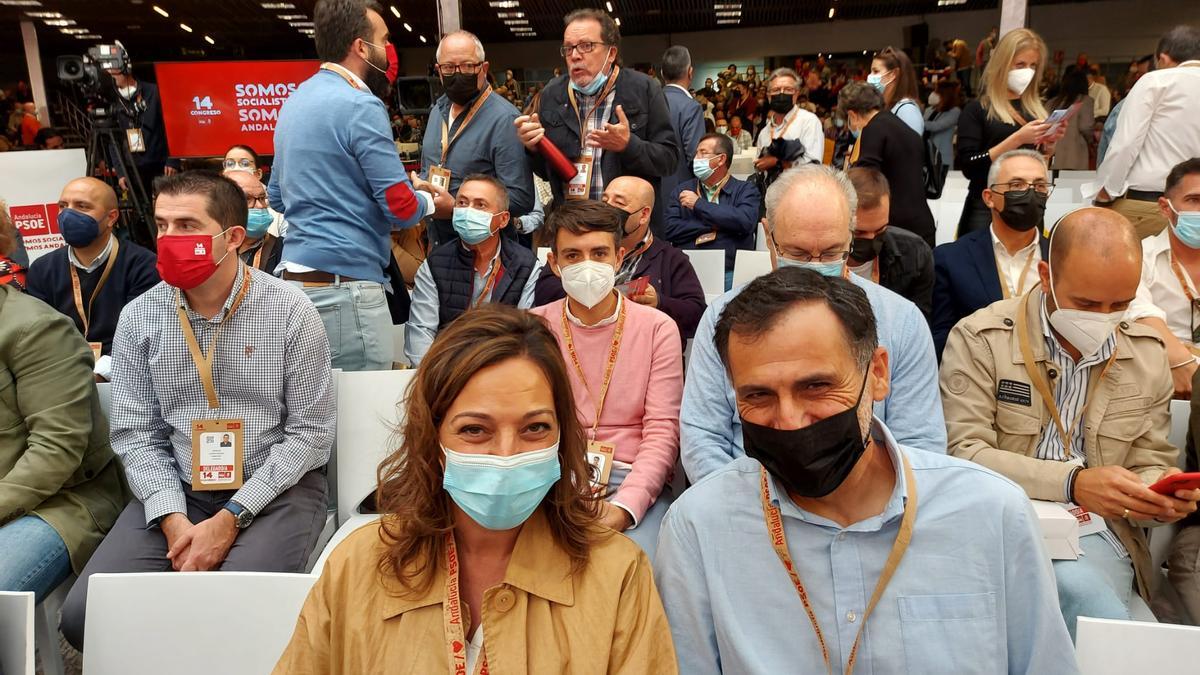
column 625, row 366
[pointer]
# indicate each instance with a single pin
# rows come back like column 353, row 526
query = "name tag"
column 137, row 142
column 96, row 348
column 600, row 459
column 440, row 177
column 1088, row 522
column 1011, row 391
column 218, row 448
column 580, row 186
column 706, row 238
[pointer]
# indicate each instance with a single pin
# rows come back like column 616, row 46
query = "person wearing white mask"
column 472, row 270
column 625, row 366
column 1009, row 114
column 1058, row 391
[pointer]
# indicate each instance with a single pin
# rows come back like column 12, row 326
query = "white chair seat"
column 355, row 522
column 749, row 265
column 1107, row 647
column 370, row 409
column 710, row 268
column 16, row 633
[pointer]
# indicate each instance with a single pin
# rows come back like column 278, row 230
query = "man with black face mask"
column 892, row 257
column 828, row 528
column 792, row 135
column 1001, row 261
column 470, row 131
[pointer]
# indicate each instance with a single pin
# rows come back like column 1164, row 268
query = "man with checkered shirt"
column 217, row 351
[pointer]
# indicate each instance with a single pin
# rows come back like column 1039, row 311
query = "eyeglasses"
column 805, row 257
column 1019, row 187
column 244, row 163
column 790, row 91
column 256, row 202
column 448, row 69
column 582, row 47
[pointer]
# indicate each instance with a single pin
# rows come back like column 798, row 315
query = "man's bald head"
column 100, row 193
column 635, row 196
column 245, row 180
column 1095, row 262
column 1100, row 234
column 95, row 198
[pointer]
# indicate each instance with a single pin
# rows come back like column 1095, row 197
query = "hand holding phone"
column 1179, row 481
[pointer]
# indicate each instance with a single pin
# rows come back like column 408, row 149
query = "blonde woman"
column 1009, row 114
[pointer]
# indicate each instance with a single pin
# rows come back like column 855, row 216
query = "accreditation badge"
column 600, row 460
column 440, row 177
column 706, row 238
column 580, row 186
column 218, row 447
column 96, row 348
column 137, row 140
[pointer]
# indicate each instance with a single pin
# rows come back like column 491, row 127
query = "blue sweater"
column 338, row 178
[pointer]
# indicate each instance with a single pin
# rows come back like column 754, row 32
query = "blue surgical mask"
column 701, row 168
column 472, row 225
column 839, row 122
column 500, row 493
column 77, row 228
column 876, row 80
column 1186, row 228
column 855, row 132
column 257, row 222
column 825, row 269
column 591, row 88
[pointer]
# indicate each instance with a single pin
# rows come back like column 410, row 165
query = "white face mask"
column 127, row 92
column 1086, row 331
column 588, row 282
column 1019, row 79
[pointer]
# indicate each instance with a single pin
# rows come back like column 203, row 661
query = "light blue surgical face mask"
column 1187, row 226
column 876, row 80
column 855, row 132
column 591, row 88
column 825, row 269
column 701, row 168
column 500, row 493
column 257, row 223
column 472, row 225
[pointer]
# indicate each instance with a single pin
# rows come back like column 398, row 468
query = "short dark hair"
column 1181, row 43
column 870, row 185
column 610, row 32
column 584, row 216
column 759, row 306
column 675, row 63
column 860, row 98
column 338, row 23
column 1187, row 167
column 724, row 145
column 226, row 201
column 499, row 187
column 45, row 134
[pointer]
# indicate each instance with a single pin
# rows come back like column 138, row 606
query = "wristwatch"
column 241, row 516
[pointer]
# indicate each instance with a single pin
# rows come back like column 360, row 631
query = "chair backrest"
column 543, row 252
column 710, row 268
column 1108, row 647
column 749, row 265
column 761, row 242
column 398, row 355
column 149, row 624
column 16, row 633
column 368, row 417
column 104, row 390
column 1181, row 415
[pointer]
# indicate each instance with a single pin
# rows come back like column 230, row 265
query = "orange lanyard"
column 341, row 72
column 456, row 642
column 613, row 349
column 779, row 543
column 1005, row 289
column 1183, row 280
column 204, row 363
column 78, row 290
column 490, row 284
column 612, row 82
column 461, row 127
column 782, row 130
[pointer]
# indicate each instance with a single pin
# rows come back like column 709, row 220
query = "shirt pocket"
column 638, row 118
column 1018, row 430
column 1116, row 435
column 953, row 634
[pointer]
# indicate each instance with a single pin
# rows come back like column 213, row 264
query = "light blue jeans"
column 1099, row 584
column 357, row 322
column 646, row 532
column 32, row 557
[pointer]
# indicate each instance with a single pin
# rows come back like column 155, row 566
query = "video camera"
column 91, row 75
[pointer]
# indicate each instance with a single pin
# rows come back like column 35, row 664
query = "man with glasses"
column 261, row 250
column 792, row 135
column 608, row 121
column 1000, row 262
column 810, row 221
column 470, row 132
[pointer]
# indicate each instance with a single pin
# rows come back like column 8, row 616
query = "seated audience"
column 717, row 211
column 810, row 221
column 49, row 138
column 741, row 138
column 621, row 348
column 828, row 510
column 60, row 484
column 487, row 516
column 261, row 250
column 477, row 266
column 672, row 286
column 218, row 348
column 96, row 274
column 883, row 251
column 12, row 271
column 1056, row 391
column 999, row 262
column 243, row 158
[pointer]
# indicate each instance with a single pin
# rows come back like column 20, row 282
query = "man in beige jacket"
column 1056, row 391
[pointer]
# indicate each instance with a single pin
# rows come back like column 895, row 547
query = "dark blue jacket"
column 965, row 281
column 687, row 119
column 735, row 218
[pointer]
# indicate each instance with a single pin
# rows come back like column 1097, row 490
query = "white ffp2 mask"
column 588, row 282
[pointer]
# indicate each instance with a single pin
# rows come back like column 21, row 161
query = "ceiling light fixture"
column 609, row 6
column 210, row 40
column 300, row 24
column 408, row 28
column 291, row 17
column 422, row 38
column 74, row 31
column 727, row 21
column 504, row 4
column 832, row 11
column 516, row 22
column 21, row 3
column 160, row 10
column 733, row 6
column 618, row 20
column 185, row 27
column 59, row 22
column 278, row 5
column 733, row 13
column 89, row 36
column 510, row 15
column 44, row 15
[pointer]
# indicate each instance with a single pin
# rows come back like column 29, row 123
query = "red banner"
column 209, row 106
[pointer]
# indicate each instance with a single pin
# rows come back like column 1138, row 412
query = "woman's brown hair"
column 415, row 506
column 8, row 232
column 906, row 77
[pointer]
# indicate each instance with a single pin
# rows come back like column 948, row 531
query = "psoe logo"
column 203, row 107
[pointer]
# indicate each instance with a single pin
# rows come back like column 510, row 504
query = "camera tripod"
column 109, row 145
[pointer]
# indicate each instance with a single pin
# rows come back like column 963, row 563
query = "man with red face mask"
column 219, row 350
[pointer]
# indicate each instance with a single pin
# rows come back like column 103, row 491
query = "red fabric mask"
column 393, row 68
column 185, row 260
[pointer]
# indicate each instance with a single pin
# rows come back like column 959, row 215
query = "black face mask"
column 782, row 103
column 814, row 460
column 461, row 88
column 1023, row 211
column 736, row 94
column 864, row 250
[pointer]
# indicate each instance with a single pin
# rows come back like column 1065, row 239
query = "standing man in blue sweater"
column 340, row 182
column 687, row 118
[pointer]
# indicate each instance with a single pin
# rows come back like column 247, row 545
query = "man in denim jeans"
column 341, row 183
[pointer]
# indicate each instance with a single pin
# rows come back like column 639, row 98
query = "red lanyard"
column 456, row 643
column 613, row 349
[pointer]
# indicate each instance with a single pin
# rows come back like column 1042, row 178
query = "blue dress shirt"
column 974, row 592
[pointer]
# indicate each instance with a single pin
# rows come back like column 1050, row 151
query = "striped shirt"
column 271, row 370
column 595, row 122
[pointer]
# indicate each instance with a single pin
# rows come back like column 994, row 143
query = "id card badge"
column 218, row 447
column 440, row 177
column 600, row 459
column 137, row 142
column 706, row 238
column 580, row 185
column 96, row 348
column 1089, row 523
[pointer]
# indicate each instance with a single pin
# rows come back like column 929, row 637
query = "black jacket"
column 452, row 267
column 906, row 267
column 653, row 149
column 892, row 147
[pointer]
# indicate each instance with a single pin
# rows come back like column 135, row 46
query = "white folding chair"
column 761, row 241
column 949, row 211
column 710, row 268
column 369, row 413
column 1108, row 647
column 1077, row 175
column 16, row 633
column 46, row 627
column 198, row 623
column 398, row 345
column 543, row 252
column 749, row 265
